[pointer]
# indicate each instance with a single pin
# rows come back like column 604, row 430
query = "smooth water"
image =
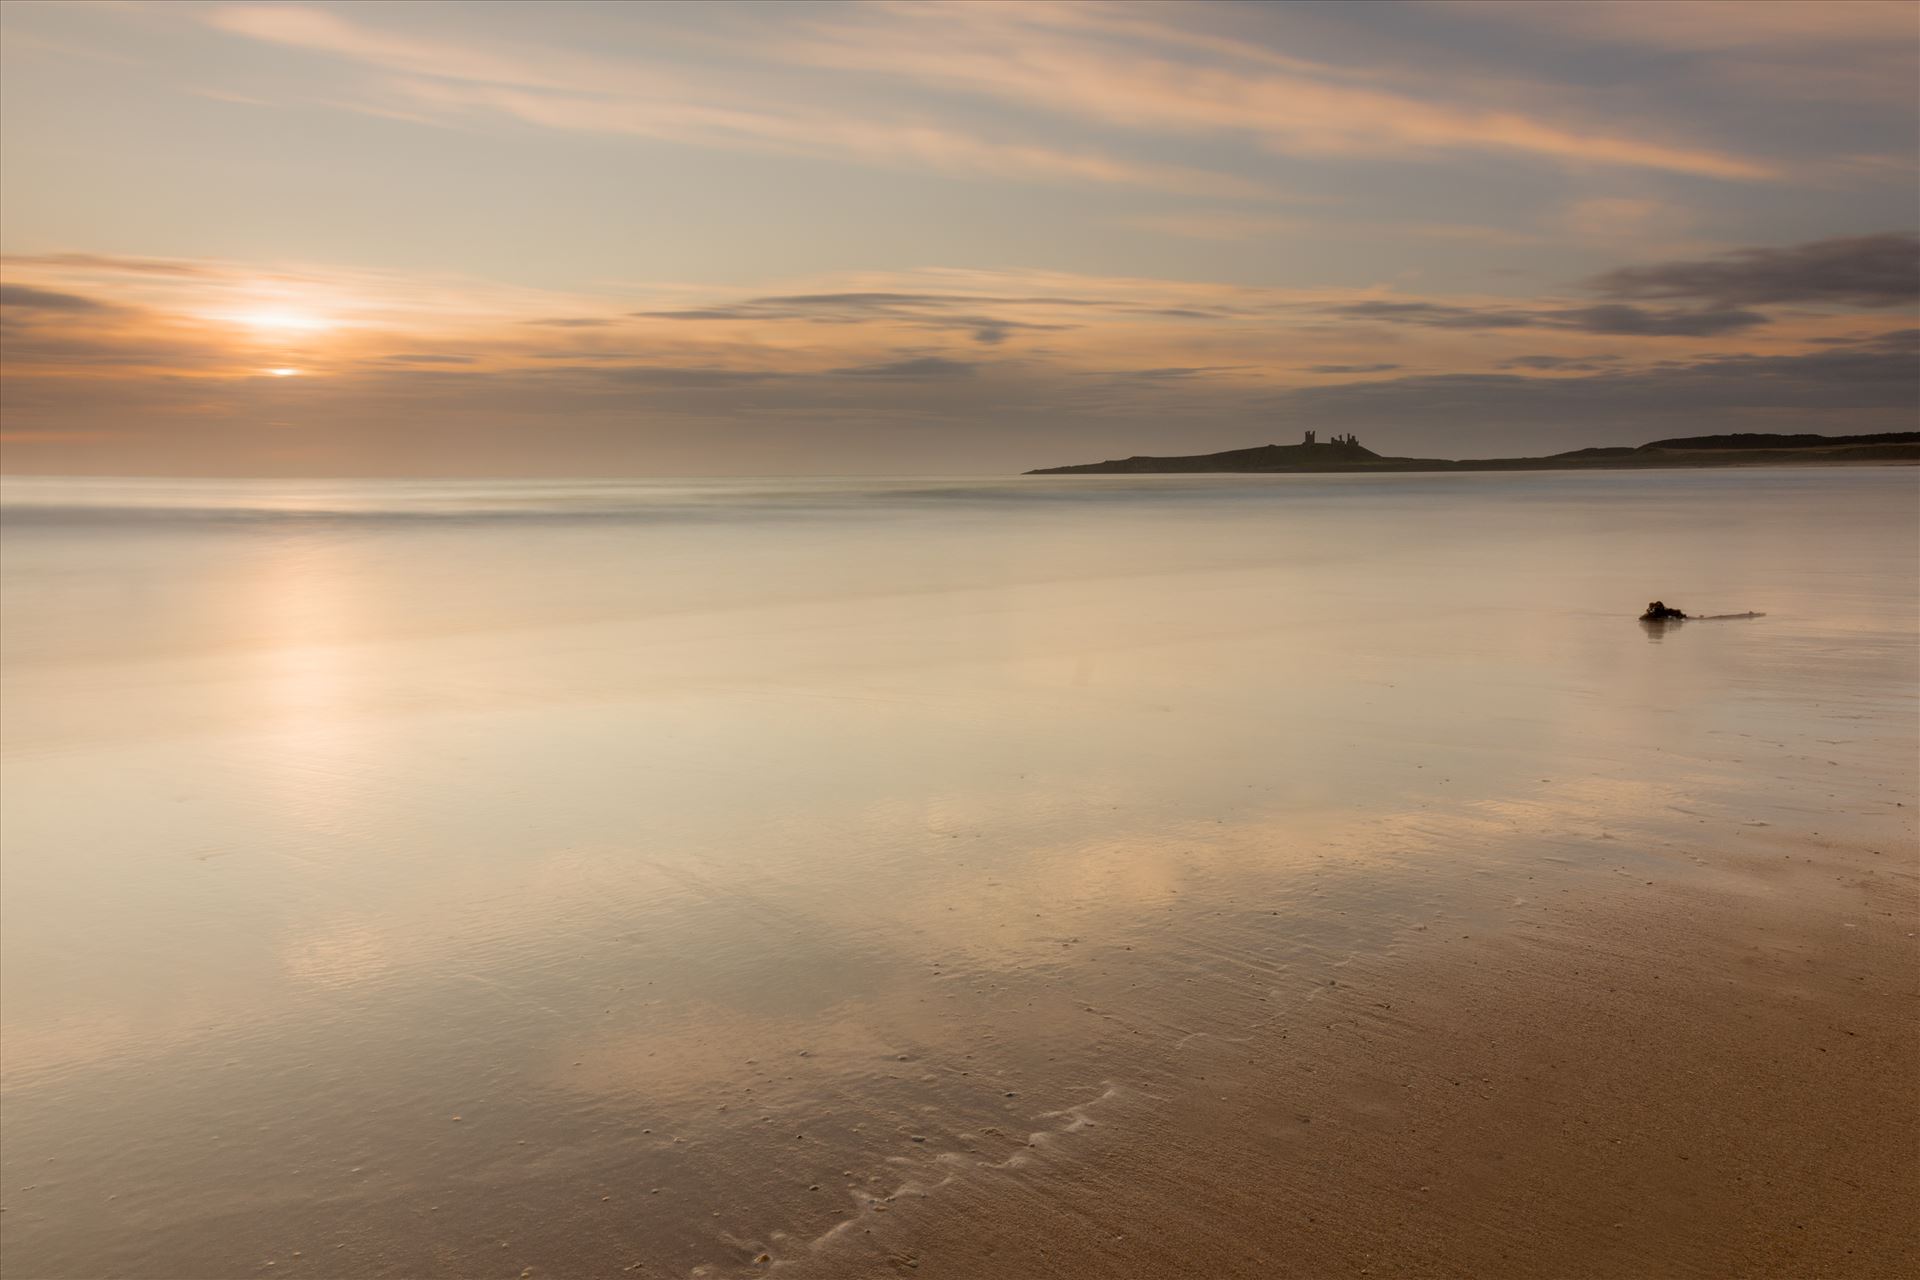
column 407, row 879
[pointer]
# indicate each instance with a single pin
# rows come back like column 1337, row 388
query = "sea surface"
column 547, row 879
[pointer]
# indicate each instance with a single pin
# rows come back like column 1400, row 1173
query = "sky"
column 444, row 239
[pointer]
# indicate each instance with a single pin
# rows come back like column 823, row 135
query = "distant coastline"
column 1346, row 453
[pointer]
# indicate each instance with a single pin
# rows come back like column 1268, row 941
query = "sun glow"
column 280, row 320
column 283, row 373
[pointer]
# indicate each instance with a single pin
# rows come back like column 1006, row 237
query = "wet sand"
column 1082, row 877
column 1668, row 1078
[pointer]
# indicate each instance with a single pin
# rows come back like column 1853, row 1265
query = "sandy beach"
column 1677, row 1078
column 1082, row 877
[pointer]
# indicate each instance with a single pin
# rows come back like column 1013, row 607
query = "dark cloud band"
column 1857, row 271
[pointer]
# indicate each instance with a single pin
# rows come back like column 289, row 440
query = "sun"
column 283, row 373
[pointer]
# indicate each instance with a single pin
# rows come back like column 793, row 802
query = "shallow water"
column 456, row 879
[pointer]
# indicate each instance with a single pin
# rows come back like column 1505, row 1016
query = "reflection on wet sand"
column 709, row 894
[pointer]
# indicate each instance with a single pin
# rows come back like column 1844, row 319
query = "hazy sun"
column 282, row 373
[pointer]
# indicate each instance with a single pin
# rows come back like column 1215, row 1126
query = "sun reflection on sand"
column 300, row 610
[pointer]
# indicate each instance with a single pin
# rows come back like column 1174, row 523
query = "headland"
column 1346, row 453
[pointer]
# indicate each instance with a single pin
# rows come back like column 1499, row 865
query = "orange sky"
column 442, row 240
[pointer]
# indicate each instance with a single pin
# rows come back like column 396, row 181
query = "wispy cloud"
column 1860, row 51
column 1559, row 364
column 27, row 298
column 1712, row 25
column 931, row 311
column 922, row 368
column 1843, row 390
column 109, row 263
column 85, row 354
column 1172, row 373
column 1128, row 69
column 1111, row 65
column 1856, row 271
column 1218, row 224
column 229, row 320
column 447, row 81
column 1612, row 318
